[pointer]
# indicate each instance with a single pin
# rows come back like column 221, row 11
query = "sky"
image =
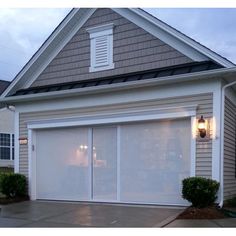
column 22, row 31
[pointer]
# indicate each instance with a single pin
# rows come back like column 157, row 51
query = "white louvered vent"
column 101, row 47
column 102, row 51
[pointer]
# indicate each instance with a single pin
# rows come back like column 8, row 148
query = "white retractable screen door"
column 62, row 164
column 155, row 157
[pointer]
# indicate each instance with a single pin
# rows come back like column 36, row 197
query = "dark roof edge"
column 186, row 68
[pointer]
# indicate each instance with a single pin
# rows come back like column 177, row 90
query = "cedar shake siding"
column 204, row 102
column 229, row 149
column 134, row 50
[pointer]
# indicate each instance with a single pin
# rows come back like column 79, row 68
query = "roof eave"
column 223, row 73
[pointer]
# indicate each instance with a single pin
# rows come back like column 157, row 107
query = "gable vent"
column 101, row 48
column 102, row 51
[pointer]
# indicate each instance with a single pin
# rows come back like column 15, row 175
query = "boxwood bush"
column 201, row 192
column 13, row 185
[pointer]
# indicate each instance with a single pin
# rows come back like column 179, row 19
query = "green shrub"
column 13, row 185
column 201, row 192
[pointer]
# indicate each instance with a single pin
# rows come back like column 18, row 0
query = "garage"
column 137, row 162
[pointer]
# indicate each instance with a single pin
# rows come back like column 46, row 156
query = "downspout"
column 222, row 115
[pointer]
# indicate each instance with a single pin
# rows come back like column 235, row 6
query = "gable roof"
column 3, row 85
column 76, row 19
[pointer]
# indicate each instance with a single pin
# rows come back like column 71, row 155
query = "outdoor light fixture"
column 202, row 127
column 23, row 140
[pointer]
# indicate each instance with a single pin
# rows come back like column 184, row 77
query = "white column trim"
column 17, row 146
column 193, row 147
column 118, row 163
column 216, row 120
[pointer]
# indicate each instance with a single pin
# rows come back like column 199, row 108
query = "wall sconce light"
column 23, row 141
column 202, row 127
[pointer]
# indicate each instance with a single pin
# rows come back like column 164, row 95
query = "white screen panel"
column 155, row 157
column 62, row 168
column 104, row 163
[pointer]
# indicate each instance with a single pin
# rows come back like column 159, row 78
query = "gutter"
column 121, row 86
column 222, row 115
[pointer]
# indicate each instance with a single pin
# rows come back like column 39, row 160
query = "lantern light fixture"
column 202, row 127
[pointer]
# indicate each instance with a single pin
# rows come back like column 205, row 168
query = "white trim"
column 215, row 123
column 231, row 95
column 161, row 31
column 222, row 112
column 118, row 164
column 205, row 75
column 30, row 163
column 153, row 114
column 94, row 33
column 145, row 117
column 17, row 146
column 49, row 45
column 121, row 99
column 101, row 68
column 171, row 36
column 193, row 147
column 9, row 161
column 100, row 30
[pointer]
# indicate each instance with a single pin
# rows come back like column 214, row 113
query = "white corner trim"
column 216, row 120
column 231, row 95
column 32, row 164
column 17, row 146
column 193, row 147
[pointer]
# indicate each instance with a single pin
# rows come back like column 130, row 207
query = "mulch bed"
column 202, row 213
column 5, row 201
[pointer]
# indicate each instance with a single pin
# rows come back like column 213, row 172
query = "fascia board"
column 221, row 73
column 24, row 82
column 188, row 47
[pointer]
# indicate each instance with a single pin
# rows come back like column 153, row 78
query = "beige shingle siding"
column 204, row 101
column 229, row 149
column 134, row 50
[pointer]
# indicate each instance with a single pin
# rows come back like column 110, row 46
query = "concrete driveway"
column 60, row 214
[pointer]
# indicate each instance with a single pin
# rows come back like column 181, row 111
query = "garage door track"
column 60, row 214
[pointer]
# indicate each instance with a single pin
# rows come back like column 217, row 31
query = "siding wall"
column 204, row 101
column 134, row 50
column 6, row 126
column 229, row 149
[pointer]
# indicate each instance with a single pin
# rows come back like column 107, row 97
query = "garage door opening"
column 141, row 162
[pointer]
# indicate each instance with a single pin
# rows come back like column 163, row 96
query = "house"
column 6, row 131
column 117, row 106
